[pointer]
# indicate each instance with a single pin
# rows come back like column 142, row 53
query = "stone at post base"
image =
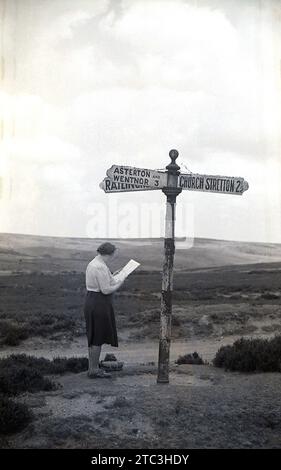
column 111, row 365
column 110, row 357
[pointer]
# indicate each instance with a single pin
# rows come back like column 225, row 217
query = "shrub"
column 39, row 363
column 17, row 379
column 13, row 416
column 176, row 321
column 58, row 365
column 248, row 355
column 193, row 358
column 269, row 296
column 14, row 337
column 12, row 334
column 61, row 365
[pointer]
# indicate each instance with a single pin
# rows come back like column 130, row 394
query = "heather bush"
column 269, row 296
column 17, row 379
column 13, row 416
column 14, row 337
column 193, row 358
column 39, row 363
column 58, row 365
column 249, row 355
column 21, row 373
column 12, row 334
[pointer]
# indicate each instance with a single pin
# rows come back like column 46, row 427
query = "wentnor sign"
column 125, row 178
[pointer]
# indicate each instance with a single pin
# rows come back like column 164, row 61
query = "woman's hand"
column 121, row 277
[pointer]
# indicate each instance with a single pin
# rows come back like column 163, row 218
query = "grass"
column 52, row 305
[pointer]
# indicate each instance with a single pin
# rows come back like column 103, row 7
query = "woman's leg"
column 94, row 357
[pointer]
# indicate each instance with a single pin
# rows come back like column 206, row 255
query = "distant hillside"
column 36, row 253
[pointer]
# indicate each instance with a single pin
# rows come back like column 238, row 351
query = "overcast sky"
column 87, row 84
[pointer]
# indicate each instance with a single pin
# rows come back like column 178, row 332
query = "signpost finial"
column 173, row 168
column 173, row 154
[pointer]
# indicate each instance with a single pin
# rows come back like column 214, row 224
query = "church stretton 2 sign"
column 213, row 183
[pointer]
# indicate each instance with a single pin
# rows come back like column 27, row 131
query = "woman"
column 98, row 309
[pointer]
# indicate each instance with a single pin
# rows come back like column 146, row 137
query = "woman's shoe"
column 100, row 374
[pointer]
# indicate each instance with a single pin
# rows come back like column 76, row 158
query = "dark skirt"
column 100, row 319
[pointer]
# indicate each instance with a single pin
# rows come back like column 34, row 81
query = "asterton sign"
column 122, row 178
column 127, row 178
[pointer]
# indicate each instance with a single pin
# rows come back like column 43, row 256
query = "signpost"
column 126, row 178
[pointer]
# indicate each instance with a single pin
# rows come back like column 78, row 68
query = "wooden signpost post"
column 122, row 178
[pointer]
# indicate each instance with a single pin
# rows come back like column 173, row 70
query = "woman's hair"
column 106, row 248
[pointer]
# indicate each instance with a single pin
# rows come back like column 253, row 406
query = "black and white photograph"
column 140, row 227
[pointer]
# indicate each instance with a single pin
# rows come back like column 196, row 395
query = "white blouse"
column 99, row 277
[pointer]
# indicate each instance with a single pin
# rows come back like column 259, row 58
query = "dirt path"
column 129, row 352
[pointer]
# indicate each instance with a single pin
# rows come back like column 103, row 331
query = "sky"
column 85, row 85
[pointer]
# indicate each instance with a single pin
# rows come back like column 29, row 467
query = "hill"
column 55, row 254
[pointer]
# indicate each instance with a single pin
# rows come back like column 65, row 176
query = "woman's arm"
column 106, row 281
